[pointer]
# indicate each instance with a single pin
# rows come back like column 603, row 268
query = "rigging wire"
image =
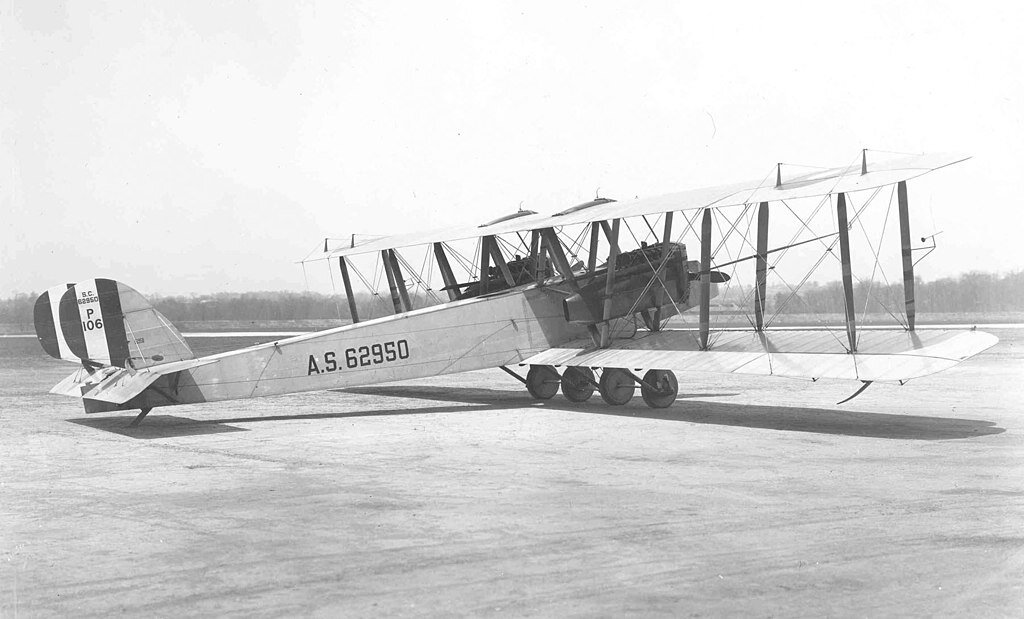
column 334, row 289
column 372, row 289
column 655, row 278
column 653, row 233
column 461, row 259
column 570, row 244
column 416, row 278
column 878, row 265
column 825, row 254
column 735, row 267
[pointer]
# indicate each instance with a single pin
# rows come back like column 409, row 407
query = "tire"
column 542, row 381
column 577, row 384
column 617, row 386
column 668, row 388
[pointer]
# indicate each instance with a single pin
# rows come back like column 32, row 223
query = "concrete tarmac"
column 461, row 496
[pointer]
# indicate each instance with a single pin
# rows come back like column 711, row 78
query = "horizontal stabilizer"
column 118, row 385
column 108, row 384
column 882, row 354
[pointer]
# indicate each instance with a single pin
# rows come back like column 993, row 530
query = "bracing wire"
column 334, row 289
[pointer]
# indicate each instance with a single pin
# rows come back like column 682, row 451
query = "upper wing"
column 882, row 354
column 817, row 183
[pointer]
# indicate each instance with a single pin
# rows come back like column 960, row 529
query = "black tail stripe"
column 46, row 331
column 113, row 321
column 71, row 323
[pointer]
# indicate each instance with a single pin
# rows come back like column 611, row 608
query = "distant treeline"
column 247, row 306
column 969, row 292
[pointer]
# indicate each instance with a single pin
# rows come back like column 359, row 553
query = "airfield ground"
column 459, row 495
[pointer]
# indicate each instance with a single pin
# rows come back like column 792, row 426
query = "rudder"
column 105, row 322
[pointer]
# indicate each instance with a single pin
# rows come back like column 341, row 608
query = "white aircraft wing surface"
column 882, row 354
column 821, row 182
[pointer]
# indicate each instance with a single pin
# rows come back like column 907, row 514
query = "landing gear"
column 542, row 381
column 666, row 388
column 617, row 386
column 577, row 384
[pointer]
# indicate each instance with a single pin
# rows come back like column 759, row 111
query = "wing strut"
column 539, row 256
column 595, row 228
column 659, row 293
column 403, row 291
column 343, row 265
column 385, row 256
column 908, row 258
column 844, row 256
column 609, row 285
column 499, row 261
column 761, row 266
column 450, row 283
column 705, row 279
column 485, row 264
column 554, row 249
column 608, row 234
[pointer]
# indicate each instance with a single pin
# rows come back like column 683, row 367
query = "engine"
column 636, row 287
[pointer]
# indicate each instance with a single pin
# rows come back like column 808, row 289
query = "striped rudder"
column 108, row 323
column 47, row 321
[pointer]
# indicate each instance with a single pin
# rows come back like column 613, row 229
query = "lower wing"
column 881, row 355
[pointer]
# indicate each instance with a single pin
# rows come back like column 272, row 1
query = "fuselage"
column 472, row 334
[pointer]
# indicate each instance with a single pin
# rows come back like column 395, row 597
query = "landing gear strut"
column 542, row 381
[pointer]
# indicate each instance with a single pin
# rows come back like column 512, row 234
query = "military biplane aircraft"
column 569, row 297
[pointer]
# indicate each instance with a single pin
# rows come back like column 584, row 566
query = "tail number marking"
column 358, row 357
column 91, row 324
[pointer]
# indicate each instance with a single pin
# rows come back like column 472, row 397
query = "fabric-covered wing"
column 882, row 354
column 818, row 183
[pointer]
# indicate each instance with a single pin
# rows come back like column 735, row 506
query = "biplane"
column 577, row 301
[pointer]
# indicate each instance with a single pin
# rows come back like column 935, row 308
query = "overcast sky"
column 201, row 147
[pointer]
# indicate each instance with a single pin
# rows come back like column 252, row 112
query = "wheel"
column 542, row 381
column 616, row 386
column 668, row 388
column 577, row 384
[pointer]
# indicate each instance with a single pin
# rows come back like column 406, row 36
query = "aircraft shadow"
column 156, row 426
column 167, row 426
column 791, row 419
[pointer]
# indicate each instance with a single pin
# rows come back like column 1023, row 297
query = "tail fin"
column 108, row 323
